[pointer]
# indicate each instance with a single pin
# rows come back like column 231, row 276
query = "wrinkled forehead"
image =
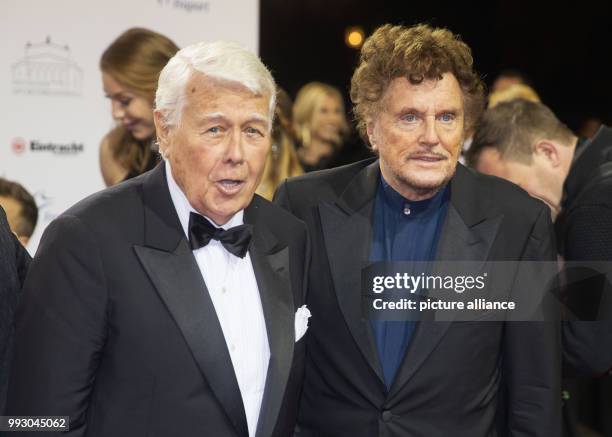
column 210, row 94
column 200, row 85
column 446, row 91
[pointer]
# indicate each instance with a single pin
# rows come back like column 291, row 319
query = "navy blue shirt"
column 404, row 230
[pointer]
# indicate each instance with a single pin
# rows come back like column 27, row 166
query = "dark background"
column 564, row 49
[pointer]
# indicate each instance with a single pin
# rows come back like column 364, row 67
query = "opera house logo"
column 47, row 69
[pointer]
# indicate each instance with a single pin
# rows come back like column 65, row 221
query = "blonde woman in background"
column 282, row 162
column 320, row 124
column 130, row 71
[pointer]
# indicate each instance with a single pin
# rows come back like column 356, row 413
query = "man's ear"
column 162, row 129
column 370, row 131
column 549, row 150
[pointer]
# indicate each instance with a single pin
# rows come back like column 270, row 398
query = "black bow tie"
column 236, row 240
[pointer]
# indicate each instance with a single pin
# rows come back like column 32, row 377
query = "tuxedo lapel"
column 271, row 266
column 347, row 230
column 460, row 242
column 171, row 266
column 178, row 281
column 467, row 235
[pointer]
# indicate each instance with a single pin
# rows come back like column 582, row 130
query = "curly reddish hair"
column 417, row 53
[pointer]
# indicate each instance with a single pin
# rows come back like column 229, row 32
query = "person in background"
column 14, row 260
column 589, row 126
column 320, row 124
column 509, row 92
column 282, row 161
column 509, row 77
column 516, row 91
column 525, row 142
column 130, row 70
column 20, row 208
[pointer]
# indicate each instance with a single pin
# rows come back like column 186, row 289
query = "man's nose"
column 429, row 135
column 235, row 148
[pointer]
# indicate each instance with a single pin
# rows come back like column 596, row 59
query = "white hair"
column 220, row 60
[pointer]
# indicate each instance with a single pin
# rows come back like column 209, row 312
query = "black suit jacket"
column 450, row 380
column 584, row 233
column 117, row 329
column 14, row 261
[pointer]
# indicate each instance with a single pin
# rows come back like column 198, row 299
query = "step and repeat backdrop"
column 54, row 113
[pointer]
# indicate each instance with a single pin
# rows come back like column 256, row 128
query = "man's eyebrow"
column 255, row 117
column 212, row 116
column 220, row 116
column 452, row 110
column 410, row 110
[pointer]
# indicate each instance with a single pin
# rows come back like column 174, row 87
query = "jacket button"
column 387, row 416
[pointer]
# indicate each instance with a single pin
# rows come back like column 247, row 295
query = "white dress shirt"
column 233, row 290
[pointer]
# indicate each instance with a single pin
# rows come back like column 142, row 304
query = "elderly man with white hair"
column 172, row 304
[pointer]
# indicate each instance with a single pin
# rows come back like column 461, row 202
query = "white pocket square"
column 301, row 321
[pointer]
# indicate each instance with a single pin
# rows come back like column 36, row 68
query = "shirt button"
column 387, row 416
column 232, row 348
column 407, row 210
column 223, row 290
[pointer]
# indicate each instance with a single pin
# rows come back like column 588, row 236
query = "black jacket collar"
column 589, row 156
column 465, row 193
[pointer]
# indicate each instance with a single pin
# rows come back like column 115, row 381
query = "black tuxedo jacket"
column 450, row 381
column 117, row 329
column 14, row 261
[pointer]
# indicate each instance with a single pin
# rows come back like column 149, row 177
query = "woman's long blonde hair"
column 135, row 60
column 282, row 161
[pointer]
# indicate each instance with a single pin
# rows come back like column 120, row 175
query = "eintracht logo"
column 18, row 145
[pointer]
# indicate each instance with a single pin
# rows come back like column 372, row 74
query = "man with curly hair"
column 415, row 95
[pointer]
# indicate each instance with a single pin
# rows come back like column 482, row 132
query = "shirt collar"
column 397, row 202
column 184, row 208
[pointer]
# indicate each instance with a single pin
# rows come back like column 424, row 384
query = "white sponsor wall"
column 54, row 112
